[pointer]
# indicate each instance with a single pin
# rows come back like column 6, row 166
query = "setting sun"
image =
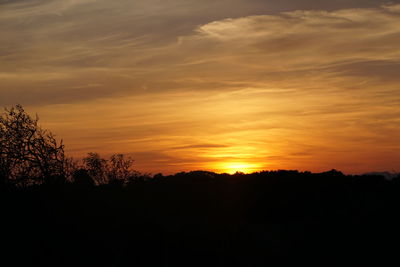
column 200, row 132
column 185, row 85
column 233, row 167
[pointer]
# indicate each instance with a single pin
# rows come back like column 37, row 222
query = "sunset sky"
column 219, row 85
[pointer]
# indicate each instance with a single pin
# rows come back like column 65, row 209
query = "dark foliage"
column 276, row 218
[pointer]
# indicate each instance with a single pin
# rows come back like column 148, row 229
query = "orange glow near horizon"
column 233, row 167
column 188, row 85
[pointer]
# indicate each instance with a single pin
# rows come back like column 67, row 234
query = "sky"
column 219, row 85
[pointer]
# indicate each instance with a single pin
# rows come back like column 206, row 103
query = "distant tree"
column 118, row 169
column 96, row 167
column 28, row 153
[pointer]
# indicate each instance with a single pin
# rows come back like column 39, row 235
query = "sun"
column 233, row 167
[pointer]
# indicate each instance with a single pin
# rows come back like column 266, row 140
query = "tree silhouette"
column 96, row 167
column 118, row 169
column 28, row 154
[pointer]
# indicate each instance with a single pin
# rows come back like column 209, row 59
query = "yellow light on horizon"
column 233, row 167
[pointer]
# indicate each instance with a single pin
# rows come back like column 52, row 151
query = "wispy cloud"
column 191, row 85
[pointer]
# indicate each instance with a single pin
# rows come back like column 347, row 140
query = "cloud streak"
column 192, row 86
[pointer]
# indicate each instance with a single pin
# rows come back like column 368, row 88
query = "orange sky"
column 216, row 85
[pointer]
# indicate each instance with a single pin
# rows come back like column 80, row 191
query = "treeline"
column 277, row 218
column 102, row 213
column 30, row 155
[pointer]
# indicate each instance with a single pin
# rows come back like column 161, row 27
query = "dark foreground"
column 280, row 218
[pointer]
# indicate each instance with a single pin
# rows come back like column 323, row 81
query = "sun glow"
column 233, row 167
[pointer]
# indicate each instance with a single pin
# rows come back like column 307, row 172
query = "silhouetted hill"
column 271, row 218
column 386, row 174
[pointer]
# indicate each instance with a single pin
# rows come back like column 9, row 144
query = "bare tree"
column 118, row 169
column 28, row 154
column 96, row 167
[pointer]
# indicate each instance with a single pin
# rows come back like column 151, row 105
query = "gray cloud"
column 56, row 51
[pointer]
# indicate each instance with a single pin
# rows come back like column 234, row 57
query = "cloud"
column 57, row 59
column 199, row 146
column 311, row 36
column 256, row 82
column 134, row 45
